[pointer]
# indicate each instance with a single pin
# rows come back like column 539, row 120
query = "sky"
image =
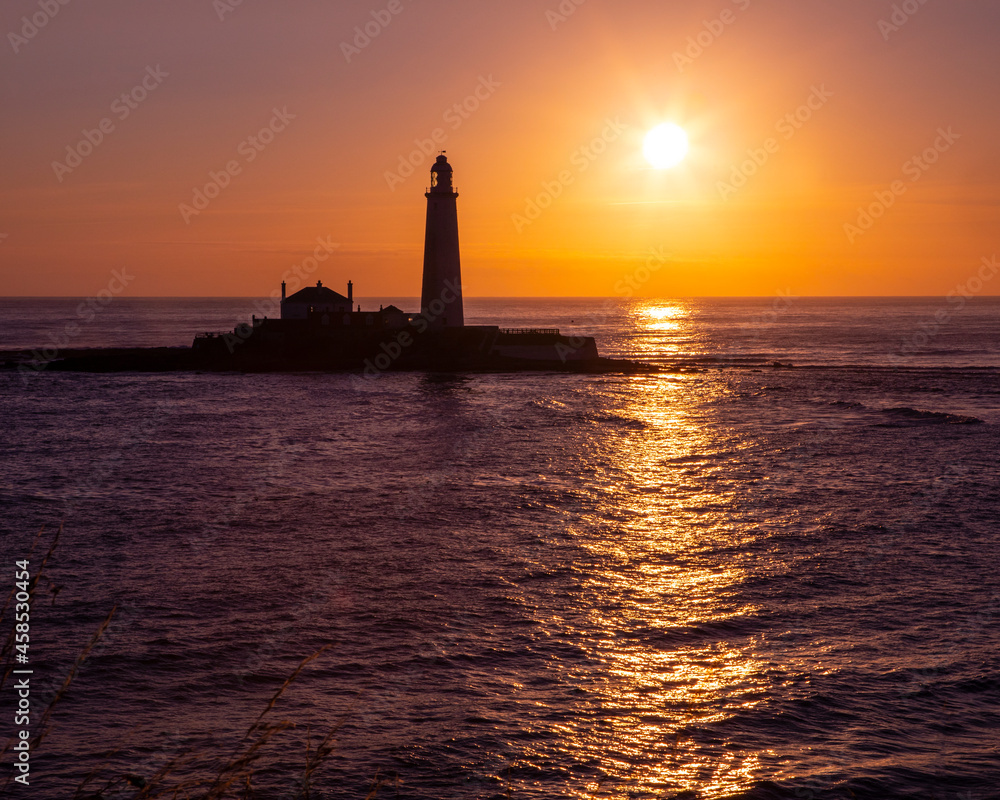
column 211, row 147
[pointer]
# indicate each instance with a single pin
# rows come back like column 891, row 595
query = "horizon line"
column 526, row 297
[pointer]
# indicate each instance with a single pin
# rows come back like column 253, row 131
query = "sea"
column 770, row 569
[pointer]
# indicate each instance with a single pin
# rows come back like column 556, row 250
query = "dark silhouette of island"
column 321, row 329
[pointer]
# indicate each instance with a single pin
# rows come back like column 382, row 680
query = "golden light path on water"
column 667, row 583
column 663, row 330
column 664, row 318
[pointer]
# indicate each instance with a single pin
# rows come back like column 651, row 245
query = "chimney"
column 350, row 291
column 282, row 290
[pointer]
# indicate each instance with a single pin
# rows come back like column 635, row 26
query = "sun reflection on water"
column 663, row 317
column 665, row 609
column 662, row 330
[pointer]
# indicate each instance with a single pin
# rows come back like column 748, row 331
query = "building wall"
column 290, row 310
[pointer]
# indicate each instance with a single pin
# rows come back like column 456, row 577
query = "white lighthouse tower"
column 441, row 293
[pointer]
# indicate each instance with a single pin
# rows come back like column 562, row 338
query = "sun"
column 665, row 146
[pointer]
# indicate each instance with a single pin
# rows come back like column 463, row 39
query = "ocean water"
column 770, row 571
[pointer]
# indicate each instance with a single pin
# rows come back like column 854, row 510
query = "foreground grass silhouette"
column 191, row 774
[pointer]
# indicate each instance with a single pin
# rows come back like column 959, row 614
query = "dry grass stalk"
column 235, row 773
column 43, row 724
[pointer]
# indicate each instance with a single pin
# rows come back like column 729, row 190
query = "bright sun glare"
column 665, row 146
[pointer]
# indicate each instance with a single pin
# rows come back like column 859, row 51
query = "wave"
column 906, row 417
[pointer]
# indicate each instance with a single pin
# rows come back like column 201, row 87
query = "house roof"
column 315, row 295
column 393, row 309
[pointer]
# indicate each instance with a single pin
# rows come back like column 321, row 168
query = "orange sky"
column 564, row 101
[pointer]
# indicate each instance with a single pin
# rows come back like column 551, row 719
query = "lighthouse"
column 441, row 293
